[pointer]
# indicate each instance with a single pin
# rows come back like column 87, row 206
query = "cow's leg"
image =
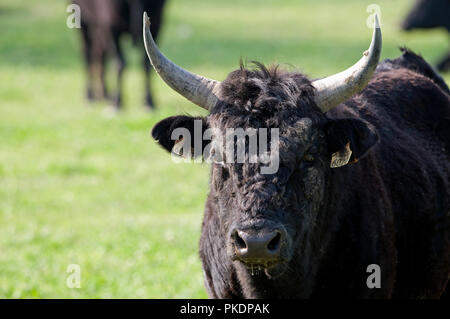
column 97, row 64
column 102, row 71
column 120, row 60
column 87, row 50
column 97, row 70
column 444, row 64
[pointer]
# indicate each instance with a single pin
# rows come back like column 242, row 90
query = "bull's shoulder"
column 413, row 62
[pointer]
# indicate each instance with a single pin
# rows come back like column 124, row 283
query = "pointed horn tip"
column 146, row 20
column 376, row 22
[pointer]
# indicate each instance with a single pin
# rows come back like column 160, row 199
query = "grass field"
column 80, row 187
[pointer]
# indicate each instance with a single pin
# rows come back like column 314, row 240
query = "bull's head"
column 265, row 220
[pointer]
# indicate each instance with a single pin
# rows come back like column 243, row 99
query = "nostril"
column 275, row 243
column 239, row 242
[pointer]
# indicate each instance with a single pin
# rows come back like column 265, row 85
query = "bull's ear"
column 178, row 134
column 349, row 140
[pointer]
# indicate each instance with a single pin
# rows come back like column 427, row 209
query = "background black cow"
column 103, row 23
column 428, row 14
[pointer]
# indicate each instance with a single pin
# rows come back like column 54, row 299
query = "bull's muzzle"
column 258, row 246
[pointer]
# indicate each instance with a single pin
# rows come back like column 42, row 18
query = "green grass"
column 79, row 187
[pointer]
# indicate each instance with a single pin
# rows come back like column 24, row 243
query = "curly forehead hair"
column 267, row 96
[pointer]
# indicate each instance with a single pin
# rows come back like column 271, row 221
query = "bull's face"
column 263, row 215
column 266, row 217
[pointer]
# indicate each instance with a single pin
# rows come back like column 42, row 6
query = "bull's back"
column 409, row 102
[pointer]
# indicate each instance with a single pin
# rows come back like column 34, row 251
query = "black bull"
column 429, row 14
column 310, row 230
column 103, row 23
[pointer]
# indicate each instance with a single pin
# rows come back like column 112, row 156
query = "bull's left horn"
column 197, row 89
column 338, row 88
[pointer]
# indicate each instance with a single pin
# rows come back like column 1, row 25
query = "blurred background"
column 81, row 185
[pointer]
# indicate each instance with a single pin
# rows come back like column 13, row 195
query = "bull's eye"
column 308, row 158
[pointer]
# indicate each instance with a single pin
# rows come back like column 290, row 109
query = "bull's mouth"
column 271, row 270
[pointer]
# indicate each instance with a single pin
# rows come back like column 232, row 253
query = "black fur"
column 412, row 61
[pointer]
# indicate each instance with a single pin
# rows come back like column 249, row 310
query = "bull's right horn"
column 338, row 88
column 197, row 89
